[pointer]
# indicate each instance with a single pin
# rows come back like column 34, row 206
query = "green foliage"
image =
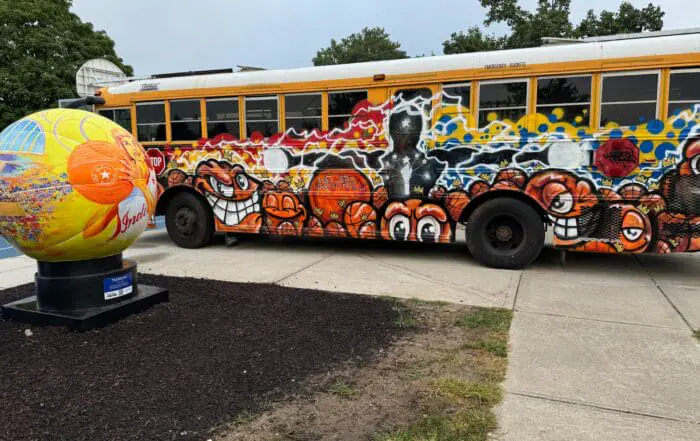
column 627, row 19
column 42, row 46
column 473, row 41
column 550, row 19
column 371, row 44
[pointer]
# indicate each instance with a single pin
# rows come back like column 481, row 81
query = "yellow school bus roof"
column 616, row 54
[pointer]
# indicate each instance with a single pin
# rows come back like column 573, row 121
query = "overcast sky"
column 157, row 36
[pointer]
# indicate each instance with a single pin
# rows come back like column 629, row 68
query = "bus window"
column 261, row 115
column 572, row 95
column 119, row 116
column 303, row 112
column 502, row 100
column 629, row 99
column 340, row 105
column 410, row 94
column 683, row 91
column 150, row 122
column 456, row 94
column 223, row 117
column 185, row 120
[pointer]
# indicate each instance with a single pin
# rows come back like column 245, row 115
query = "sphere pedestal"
column 84, row 294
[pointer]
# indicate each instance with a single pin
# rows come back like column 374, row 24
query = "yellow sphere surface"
column 73, row 186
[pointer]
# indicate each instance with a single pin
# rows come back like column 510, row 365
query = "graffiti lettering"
column 620, row 156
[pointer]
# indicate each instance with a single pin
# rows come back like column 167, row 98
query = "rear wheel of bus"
column 505, row 233
column 189, row 221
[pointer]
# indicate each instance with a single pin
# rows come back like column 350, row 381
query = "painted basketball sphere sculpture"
column 73, row 186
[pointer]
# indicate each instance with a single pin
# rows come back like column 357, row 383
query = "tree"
column 473, row 41
column 551, row 19
column 43, row 45
column 626, row 19
column 371, row 44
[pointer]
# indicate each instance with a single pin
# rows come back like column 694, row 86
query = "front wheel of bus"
column 189, row 221
column 505, row 233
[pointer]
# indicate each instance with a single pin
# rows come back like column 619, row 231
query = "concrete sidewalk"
column 601, row 349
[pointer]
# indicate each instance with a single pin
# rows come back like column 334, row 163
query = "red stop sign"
column 157, row 159
column 617, row 158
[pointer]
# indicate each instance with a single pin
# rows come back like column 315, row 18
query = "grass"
column 416, row 301
column 452, row 391
column 496, row 319
column 343, row 389
column 465, row 425
column 498, row 347
column 455, row 409
column 405, row 318
column 696, row 334
column 473, row 420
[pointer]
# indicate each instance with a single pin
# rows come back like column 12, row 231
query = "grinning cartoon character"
column 284, row 212
column 416, row 220
column 232, row 194
column 679, row 227
column 570, row 203
column 624, row 229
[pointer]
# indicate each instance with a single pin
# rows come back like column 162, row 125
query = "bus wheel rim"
column 185, row 221
column 504, row 233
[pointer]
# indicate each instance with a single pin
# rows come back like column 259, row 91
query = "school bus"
column 594, row 145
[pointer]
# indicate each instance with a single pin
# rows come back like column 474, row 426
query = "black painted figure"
column 406, row 170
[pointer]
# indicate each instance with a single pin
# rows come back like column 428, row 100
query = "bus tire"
column 189, row 221
column 505, row 233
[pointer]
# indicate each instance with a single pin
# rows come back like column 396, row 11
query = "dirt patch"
column 439, row 383
column 217, row 352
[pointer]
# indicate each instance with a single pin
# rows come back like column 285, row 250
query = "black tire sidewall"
column 531, row 221
column 205, row 221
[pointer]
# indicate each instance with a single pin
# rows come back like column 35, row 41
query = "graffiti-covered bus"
column 593, row 145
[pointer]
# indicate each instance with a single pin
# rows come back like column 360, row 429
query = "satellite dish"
column 97, row 73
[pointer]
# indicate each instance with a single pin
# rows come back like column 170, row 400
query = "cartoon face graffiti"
column 625, row 229
column 635, row 228
column 416, row 220
column 691, row 165
column 682, row 187
column 388, row 173
column 570, row 203
column 284, row 212
column 679, row 228
column 361, row 220
column 232, row 194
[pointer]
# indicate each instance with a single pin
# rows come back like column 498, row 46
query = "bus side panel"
column 399, row 171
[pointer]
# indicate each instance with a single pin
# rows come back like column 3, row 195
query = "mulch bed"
column 180, row 368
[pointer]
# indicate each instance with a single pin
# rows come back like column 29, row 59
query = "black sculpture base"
column 84, row 294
